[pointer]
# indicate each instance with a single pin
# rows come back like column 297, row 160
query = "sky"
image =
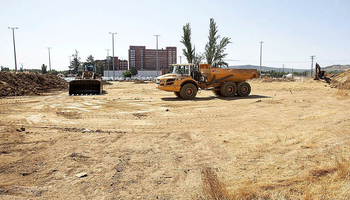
column 291, row 30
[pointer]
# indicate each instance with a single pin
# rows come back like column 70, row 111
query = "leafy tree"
column 43, row 69
column 75, row 63
column 99, row 67
column 90, row 59
column 188, row 52
column 198, row 58
column 127, row 73
column 4, row 69
column 214, row 50
column 133, row 71
column 54, row 72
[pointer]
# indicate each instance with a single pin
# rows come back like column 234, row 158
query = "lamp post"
column 70, row 61
column 14, row 45
column 107, row 63
column 260, row 57
column 113, row 53
column 49, row 58
column 157, row 63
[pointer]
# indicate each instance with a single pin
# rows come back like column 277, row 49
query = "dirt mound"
column 337, row 79
column 19, row 84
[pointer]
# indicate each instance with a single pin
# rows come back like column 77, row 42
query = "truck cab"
column 180, row 75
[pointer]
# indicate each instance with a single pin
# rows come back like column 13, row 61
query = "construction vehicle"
column 186, row 79
column 321, row 74
column 87, row 83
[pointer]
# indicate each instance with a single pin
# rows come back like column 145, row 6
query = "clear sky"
column 292, row 30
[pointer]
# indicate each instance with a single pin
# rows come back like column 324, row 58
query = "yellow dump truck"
column 186, row 79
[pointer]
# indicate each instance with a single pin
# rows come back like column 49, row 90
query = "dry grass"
column 341, row 94
column 321, row 183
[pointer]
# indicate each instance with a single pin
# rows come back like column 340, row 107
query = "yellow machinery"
column 186, row 79
column 88, row 83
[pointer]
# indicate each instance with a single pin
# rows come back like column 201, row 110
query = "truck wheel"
column 188, row 91
column 243, row 89
column 177, row 94
column 228, row 89
column 217, row 92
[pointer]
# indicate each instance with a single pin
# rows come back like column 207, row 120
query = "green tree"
column 4, row 69
column 90, row 63
column 127, row 73
column 133, row 71
column 75, row 63
column 214, row 50
column 188, row 52
column 43, row 69
column 90, row 59
column 198, row 58
column 99, row 68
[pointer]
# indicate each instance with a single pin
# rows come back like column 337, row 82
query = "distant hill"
column 339, row 68
column 264, row 68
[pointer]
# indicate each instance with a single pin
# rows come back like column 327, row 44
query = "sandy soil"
column 140, row 143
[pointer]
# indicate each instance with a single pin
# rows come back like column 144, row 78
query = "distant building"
column 119, row 64
column 146, row 59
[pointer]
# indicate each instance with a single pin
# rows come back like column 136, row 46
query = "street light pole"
column 49, row 58
column 113, row 52
column 107, row 63
column 260, row 57
column 157, row 64
column 14, row 45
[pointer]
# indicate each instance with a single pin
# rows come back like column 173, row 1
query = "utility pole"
column 107, row 62
column 113, row 53
column 14, row 45
column 70, row 61
column 260, row 56
column 157, row 64
column 312, row 65
column 49, row 57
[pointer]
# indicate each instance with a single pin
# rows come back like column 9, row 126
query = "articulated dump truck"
column 186, row 79
column 87, row 84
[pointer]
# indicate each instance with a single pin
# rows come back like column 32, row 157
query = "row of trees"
column 90, row 64
column 214, row 49
column 277, row 74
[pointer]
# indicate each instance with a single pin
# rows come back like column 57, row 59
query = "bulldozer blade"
column 85, row 86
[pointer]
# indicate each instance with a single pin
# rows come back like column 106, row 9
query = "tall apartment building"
column 146, row 59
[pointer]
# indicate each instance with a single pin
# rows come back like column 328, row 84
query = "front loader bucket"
column 85, row 86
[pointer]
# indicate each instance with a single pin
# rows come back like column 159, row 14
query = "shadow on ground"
column 216, row 97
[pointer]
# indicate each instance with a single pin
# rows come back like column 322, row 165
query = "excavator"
column 321, row 74
column 88, row 83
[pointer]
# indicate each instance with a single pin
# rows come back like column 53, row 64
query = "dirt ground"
column 287, row 140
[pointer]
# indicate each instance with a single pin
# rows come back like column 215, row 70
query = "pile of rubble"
column 338, row 81
column 22, row 83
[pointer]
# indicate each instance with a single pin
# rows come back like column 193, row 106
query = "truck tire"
column 243, row 89
column 177, row 94
column 217, row 92
column 228, row 89
column 188, row 91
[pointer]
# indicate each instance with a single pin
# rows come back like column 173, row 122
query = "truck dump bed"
column 233, row 75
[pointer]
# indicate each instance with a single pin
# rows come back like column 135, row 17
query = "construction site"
column 286, row 140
